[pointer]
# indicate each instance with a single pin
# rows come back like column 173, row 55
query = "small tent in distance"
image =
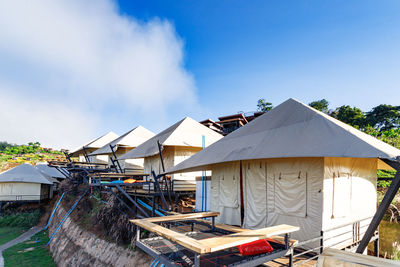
column 24, row 183
column 123, row 144
column 298, row 166
column 83, row 152
column 179, row 142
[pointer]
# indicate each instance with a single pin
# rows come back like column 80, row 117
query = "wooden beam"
column 182, row 217
column 236, row 229
column 176, row 237
column 228, row 241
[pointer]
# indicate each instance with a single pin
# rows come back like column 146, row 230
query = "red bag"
column 255, row 247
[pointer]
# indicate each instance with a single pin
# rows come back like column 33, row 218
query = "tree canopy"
column 263, row 105
column 384, row 117
column 321, row 105
column 350, row 115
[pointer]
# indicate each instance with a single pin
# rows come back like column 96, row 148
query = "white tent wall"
column 294, row 195
column 225, row 192
column 127, row 163
column 173, row 155
column 203, row 199
column 295, row 198
column 11, row 191
column 186, row 180
column 132, row 163
column 99, row 159
column 153, row 163
column 349, row 197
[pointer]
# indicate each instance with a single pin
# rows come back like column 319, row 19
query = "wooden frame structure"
column 200, row 249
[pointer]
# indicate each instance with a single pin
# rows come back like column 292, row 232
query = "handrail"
column 322, row 239
column 54, row 211
column 346, row 224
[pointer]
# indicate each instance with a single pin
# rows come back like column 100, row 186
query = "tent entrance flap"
column 255, row 193
column 225, row 193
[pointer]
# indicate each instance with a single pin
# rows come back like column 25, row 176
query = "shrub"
column 21, row 219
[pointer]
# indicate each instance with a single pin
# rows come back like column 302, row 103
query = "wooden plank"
column 236, row 229
column 183, row 217
column 228, row 241
column 179, row 238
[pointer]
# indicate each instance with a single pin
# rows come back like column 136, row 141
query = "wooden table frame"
column 208, row 245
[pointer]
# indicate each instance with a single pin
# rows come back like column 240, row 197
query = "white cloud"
column 30, row 119
column 86, row 53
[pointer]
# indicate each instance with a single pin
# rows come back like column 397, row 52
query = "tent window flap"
column 291, row 194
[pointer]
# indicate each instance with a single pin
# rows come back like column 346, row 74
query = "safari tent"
column 298, row 166
column 180, row 141
column 24, row 183
column 123, row 144
column 50, row 172
column 92, row 146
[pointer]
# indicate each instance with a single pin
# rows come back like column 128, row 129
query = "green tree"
column 263, row 105
column 321, row 105
column 384, row 117
column 350, row 115
column 4, row 145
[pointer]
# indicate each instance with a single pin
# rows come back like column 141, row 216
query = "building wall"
column 349, row 196
column 275, row 191
column 136, row 164
column 19, row 191
column 173, row 155
column 99, row 159
column 284, row 191
column 299, row 192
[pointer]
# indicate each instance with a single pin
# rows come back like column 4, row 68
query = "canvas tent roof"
column 291, row 129
column 130, row 139
column 186, row 132
column 49, row 171
column 24, row 173
column 96, row 143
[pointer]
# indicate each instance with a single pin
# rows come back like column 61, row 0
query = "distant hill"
column 12, row 155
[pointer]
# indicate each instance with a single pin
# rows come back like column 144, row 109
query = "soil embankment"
column 74, row 246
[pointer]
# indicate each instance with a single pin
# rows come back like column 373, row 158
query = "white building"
column 298, row 166
column 179, row 142
column 93, row 145
column 24, row 183
column 123, row 144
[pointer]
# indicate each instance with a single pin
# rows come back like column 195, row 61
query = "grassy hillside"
column 12, row 155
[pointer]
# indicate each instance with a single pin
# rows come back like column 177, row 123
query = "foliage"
column 4, row 145
column 384, row 117
column 21, row 219
column 383, row 183
column 321, row 105
column 32, row 253
column 350, row 115
column 396, row 251
column 10, row 233
column 263, row 105
column 386, row 174
column 23, row 149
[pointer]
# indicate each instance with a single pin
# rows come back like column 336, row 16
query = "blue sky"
column 77, row 69
column 344, row 51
